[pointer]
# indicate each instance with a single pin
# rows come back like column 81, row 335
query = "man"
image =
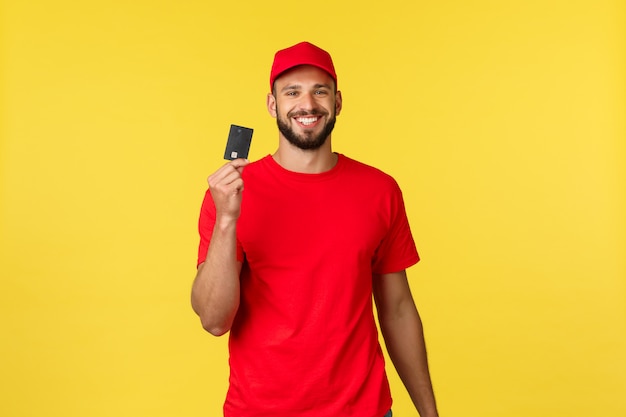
column 289, row 265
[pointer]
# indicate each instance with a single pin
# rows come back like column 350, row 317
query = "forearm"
column 215, row 291
column 404, row 339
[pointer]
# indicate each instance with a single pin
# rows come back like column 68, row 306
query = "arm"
column 401, row 327
column 215, row 290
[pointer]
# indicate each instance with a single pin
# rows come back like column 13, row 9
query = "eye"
column 321, row 92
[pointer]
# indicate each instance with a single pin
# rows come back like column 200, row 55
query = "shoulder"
column 258, row 167
column 259, row 163
column 365, row 172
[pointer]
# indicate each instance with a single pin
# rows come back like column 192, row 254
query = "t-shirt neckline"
column 301, row 176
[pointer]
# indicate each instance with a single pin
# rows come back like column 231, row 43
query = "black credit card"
column 238, row 144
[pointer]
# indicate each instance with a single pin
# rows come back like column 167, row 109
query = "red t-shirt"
column 304, row 342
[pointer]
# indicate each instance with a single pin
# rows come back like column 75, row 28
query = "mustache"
column 304, row 113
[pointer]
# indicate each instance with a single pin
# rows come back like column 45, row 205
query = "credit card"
column 238, row 144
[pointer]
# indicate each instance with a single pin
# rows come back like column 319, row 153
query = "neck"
column 305, row 161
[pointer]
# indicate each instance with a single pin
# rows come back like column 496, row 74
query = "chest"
column 325, row 220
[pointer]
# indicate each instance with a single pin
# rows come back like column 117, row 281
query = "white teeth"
column 307, row 120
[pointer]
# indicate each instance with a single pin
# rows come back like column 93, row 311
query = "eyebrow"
column 292, row 87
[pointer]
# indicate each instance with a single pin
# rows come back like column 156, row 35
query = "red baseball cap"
column 303, row 53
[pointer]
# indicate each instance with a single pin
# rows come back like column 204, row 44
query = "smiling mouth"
column 307, row 121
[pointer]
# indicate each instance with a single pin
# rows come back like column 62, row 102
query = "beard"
column 307, row 140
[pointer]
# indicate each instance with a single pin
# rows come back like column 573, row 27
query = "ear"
column 338, row 102
column 271, row 104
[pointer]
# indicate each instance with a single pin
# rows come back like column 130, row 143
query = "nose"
column 307, row 101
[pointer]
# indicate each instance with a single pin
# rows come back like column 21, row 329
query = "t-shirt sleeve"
column 206, row 223
column 397, row 250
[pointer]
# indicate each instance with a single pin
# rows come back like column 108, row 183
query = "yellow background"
column 503, row 121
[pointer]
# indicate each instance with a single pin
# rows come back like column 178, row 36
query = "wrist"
column 225, row 223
